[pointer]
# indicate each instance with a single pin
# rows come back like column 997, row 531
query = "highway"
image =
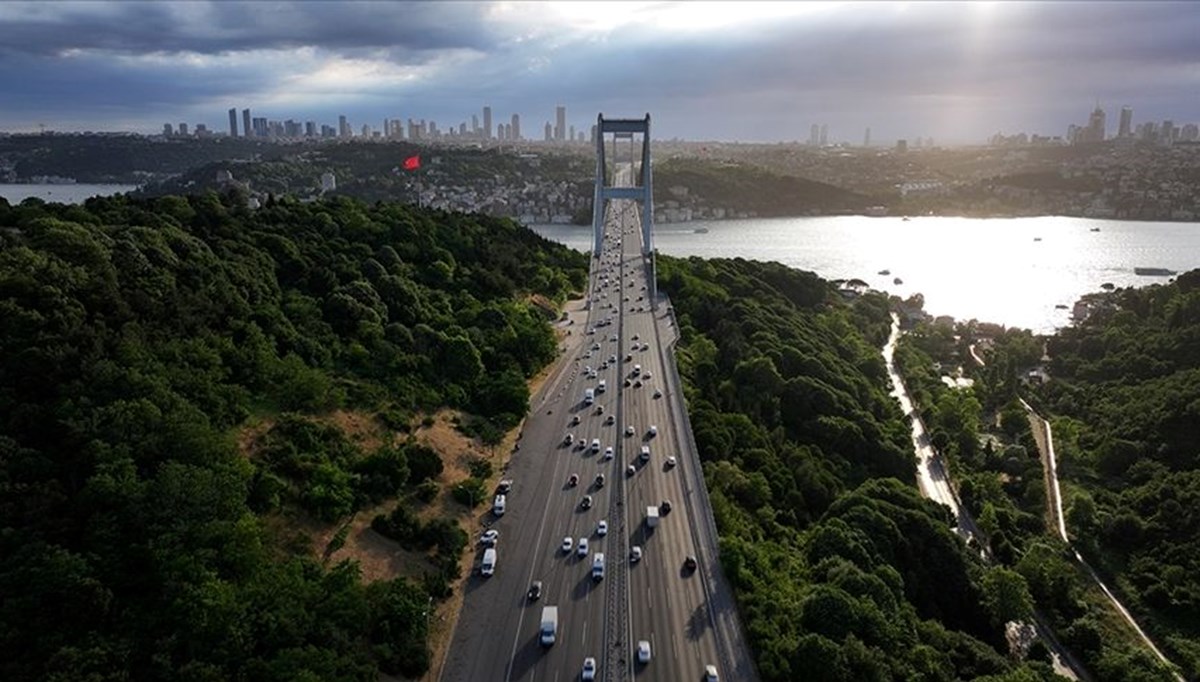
column 656, row 599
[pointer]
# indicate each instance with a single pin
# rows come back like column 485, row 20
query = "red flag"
column 412, row 163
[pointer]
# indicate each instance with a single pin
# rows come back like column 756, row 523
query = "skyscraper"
column 487, row 123
column 167, row 131
column 549, row 132
column 183, row 129
column 1095, row 127
column 1126, row 126
column 246, row 123
column 233, row 122
column 344, row 127
column 515, row 132
column 824, row 134
column 867, row 138
column 560, row 127
column 814, row 135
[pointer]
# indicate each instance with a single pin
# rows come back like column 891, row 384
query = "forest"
column 984, row 435
column 841, row 570
column 137, row 540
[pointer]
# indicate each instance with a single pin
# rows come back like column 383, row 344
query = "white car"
column 643, row 651
column 653, row 430
column 645, row 375
column 629, row 430
column 490, row 537
column 582, row 548
column 566, row 544
column 635, row 555
column 589, row 668
column 671, row 461
column 710, row 673
column 608, row 454
column 602, row 528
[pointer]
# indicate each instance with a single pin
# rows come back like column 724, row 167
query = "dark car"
column 665, row 507
column 690, row 563
column 535, row 590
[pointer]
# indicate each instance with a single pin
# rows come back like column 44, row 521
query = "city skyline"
column 754, row 72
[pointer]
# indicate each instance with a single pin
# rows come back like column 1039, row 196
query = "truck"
column 549, row 630
column 651, row 517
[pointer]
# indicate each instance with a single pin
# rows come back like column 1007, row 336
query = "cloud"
column 751, row 71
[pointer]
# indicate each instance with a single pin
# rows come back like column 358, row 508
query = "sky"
column 750, row 72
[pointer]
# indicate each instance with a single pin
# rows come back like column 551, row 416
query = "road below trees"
column 1044, row 436
column 934, row 483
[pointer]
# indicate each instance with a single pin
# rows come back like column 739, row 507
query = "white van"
column 602, row 387
column 498, row 505
column 589, row 396
column 645, row 453
column 488, row 567
column 637, row 369
column 598, row 567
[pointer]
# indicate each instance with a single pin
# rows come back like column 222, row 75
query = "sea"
column 60, row 194
column 1019, row 272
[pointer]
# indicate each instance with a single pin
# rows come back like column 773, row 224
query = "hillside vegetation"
column 137, row 337
column 842, row 571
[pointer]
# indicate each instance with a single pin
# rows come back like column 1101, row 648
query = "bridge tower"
column 640, row 191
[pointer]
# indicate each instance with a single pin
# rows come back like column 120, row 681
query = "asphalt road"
column 497, row 633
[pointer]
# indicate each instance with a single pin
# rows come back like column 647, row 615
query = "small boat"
column 1094, row 229
column 1108, row 286
column 897, row 281
column 700, row 230
column 904, row 219
column 1037, row 239
column 1153, row 272
column 885, row 272
column 1061, row 306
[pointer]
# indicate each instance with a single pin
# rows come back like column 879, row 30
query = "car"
column 628, row 383
column 657, row 393
column 637, row 384
column 535, row 591
column 599, row 409
column 710, row 673
column 599, row 480
column 653, row 431
column 630, row 470
column 635, row 554
column 610, row 421
column 689, row 562
column 645, row 346
column 595, row 445
column 586, row 503
column 608, row 454
column 646, row 375
column 567, row 543
column 671, row 462
column 591, row 330
column 573, row 480
column 629, row 430
column 504, row 487
column 575, row 420
column 629, row 358
column 665, row 507
column 570, row 438
column 602, row 528
column 636, row 337
column 489, row 537
column 643, row 651
column 613, row 337
column 589, row 668
column 581, row 548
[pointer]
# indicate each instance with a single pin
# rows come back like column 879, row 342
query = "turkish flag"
column 412, row 163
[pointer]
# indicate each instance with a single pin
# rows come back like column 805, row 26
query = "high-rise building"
column 246, row 123
column 824, row 134
column 260, row 127
column 167, row 130
column 310, row 129
column 344, row 127
column 572, row 135
column 233, row 122
column 1095, row 127
column 487, row 123
column 560, row 127
column 515, row 133
column 549, row 132
column 867, row 138
column 1167, row 133
column 183, row 130
column 1189, row 133
column 814, row 135
column 1125, row 129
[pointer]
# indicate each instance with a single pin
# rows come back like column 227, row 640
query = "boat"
column 885, row 272
column 1153, row 272
column 1061, row 306
column 1108, row 286
column 904, row 219
column 700, row 230
column 897, row 281
column 1094, row 229
column 1037, row 239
